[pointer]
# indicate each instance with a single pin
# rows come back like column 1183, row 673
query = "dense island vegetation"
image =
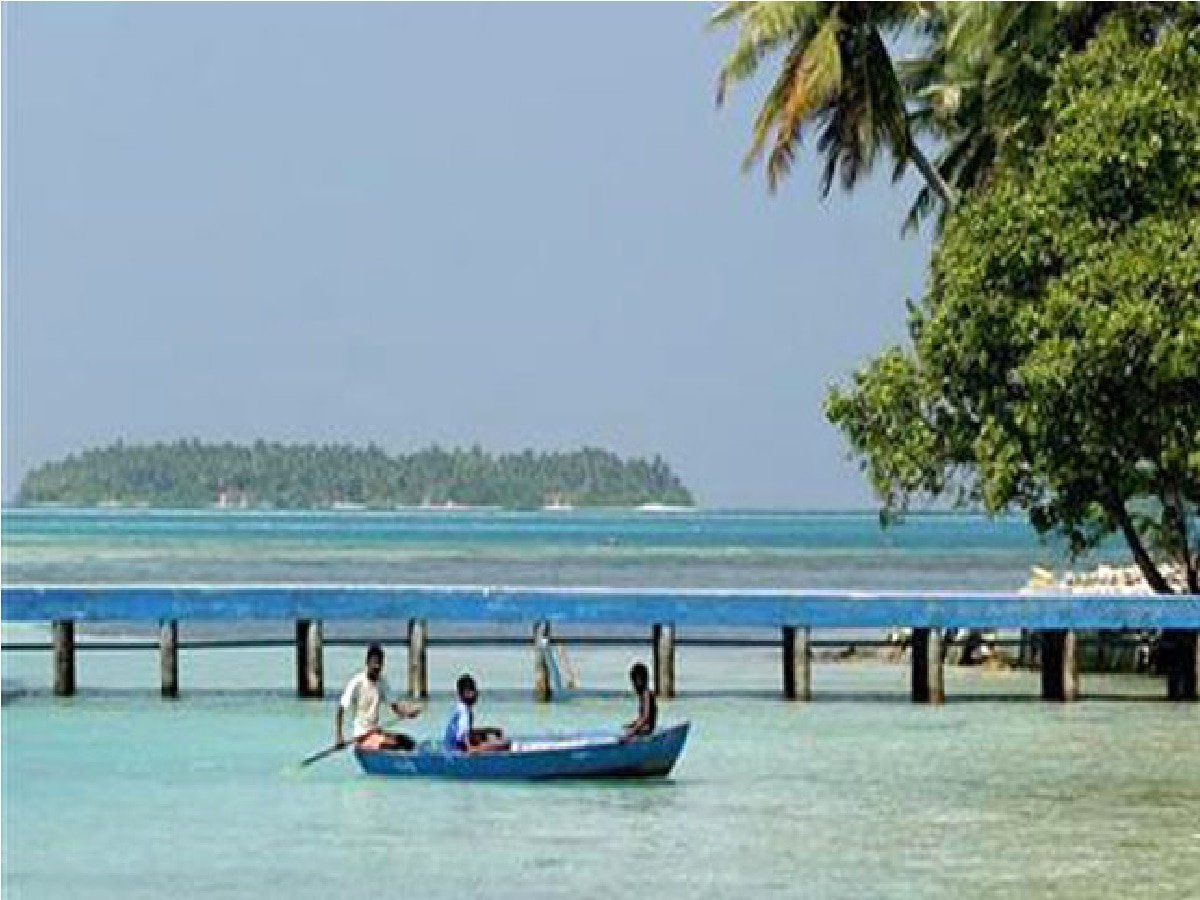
column 193, row 474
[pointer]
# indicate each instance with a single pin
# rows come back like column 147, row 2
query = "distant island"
column 191, row 474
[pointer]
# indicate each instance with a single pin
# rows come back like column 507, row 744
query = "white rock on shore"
column 1103, row 579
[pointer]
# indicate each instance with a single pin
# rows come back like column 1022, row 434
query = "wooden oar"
column 321, row 754
column 409, row 708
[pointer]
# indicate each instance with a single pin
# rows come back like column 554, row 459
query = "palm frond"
column 836, row 75
column 729, row 12
column 772, row 108
column 806, row 89
column 923, row 205
column 763, row 29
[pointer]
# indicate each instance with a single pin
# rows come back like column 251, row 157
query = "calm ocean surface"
column 677, row 549
column 116, row 793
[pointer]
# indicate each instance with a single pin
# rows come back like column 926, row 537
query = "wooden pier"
column 666, row 613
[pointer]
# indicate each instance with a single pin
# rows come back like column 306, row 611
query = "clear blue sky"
column 517, row 226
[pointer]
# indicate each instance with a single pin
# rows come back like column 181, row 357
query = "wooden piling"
column 928, row 666
column 64, row 657
column 542, row 691
column 418, row 660
column 664, row 660
column 1194, row 644
column 1070, row 666
column 797, row 663
column 310, row 665
column 1050, row 657
column 168, row 657
column 301, row 657
column 920, row 665
column 1025, row 650
column 1179, row 651
column 937, row 668
column 1060, row 665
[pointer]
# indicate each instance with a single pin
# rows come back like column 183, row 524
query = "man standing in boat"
column 366, row 692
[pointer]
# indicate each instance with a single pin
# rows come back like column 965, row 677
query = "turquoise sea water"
column 582, row 547
column 116, row 793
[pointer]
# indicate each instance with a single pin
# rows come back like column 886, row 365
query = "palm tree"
column 836, row 75
column 977, row 83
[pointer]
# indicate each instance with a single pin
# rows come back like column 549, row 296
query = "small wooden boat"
column 550, row 756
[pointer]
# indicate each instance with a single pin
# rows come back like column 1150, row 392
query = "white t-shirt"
column 365, row 696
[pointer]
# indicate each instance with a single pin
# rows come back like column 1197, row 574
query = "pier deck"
column 1056, row 616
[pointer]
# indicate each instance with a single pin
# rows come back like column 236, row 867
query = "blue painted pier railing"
column 1057, row 617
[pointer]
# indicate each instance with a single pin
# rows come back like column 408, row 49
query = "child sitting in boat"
column 647, row 715
column 461, row 733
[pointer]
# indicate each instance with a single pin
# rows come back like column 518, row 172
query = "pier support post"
column 797, row 663
column 1070, row 669
column 664, row 660
column 1025, row 656
column 168, row 657
column 418, row 659
column 64, row 657
column 1193, row 693
column 928, row 680
column 1060, row 665
column 310, row 667
column 542, row 691
column 937, row 667
column 1180, row 649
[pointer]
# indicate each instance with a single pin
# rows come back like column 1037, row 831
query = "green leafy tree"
column 1054, row 363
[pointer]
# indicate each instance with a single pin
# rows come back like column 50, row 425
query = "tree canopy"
column 1054, row 362
column 874, row 78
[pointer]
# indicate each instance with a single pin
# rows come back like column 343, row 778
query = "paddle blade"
column 321, row 754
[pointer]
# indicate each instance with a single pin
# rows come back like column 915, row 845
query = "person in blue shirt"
column 647, row 715
column 461, row 734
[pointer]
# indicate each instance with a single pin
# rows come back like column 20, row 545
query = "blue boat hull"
column 563, row 756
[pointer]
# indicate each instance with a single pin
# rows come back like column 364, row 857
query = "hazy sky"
column 517, row 226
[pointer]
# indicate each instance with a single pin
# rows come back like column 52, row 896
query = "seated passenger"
column 461, row 733
column 647, row 715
